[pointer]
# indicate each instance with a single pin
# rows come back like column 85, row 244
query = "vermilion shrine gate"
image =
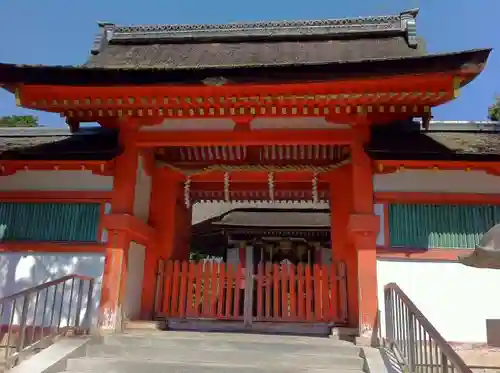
column 268, row 111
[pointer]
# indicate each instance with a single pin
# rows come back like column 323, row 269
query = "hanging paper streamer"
column 270, row 182
column 315, row 188
column 226, row 187
column 187, row 192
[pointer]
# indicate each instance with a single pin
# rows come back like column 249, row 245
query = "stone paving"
column 480, row 354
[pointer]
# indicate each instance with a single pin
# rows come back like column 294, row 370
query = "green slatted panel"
column 49, row 221
column 440, row 226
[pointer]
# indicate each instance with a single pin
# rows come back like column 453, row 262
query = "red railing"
column 284, row 293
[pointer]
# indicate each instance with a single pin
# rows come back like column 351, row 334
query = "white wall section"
column 135, row 276
column 142, row 192
column 20, row 271
column 456, row 299
column 437, row 182
column 56, row 180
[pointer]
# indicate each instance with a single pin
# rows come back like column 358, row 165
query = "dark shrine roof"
column 443, row 140
column 58, row 144
column 260, row 52
column 294, row 222
column 451, row 140
column 290, row 71
column 257, row 44
column 209, row 235
column 274, row 218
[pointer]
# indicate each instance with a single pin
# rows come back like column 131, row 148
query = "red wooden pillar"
column 115, row 264
column 342, row 249
column 166, row 191
column 363, row 229
column 182, row 229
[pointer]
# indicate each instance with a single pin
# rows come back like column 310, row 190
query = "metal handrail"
column 414, row 340
column 36, row 316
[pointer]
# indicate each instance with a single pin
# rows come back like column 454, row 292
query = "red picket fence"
column 284, row 293
column 203, row 290
column 300, row 293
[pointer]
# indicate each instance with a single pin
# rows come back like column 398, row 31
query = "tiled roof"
column 57, row 144
column 244, row 54
column 257, row 44
column 269, row 71
column 442, row 141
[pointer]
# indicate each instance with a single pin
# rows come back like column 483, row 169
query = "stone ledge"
column 373, row 360
column 53, row 359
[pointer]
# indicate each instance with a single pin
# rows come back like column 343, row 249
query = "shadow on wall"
column 20, row 271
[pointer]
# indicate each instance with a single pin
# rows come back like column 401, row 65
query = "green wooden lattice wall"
column 440, row 226
column 49, row 221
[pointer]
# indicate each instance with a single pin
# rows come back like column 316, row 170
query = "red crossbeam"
column 261, row 137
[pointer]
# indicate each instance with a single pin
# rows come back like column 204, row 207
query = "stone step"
column 237, row 357
column 186, row 337
column 152, row 350
column 84, row 365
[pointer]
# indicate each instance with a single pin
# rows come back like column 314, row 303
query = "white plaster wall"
column 378, row 209
column 437, row 182
column 142, row 192
column 20, row 271
column 456, row 299
column 56, row 180
column 135, row 276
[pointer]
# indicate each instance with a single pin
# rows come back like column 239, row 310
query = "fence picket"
column 190, row 297
column 175, row 289
column 199, row 285
column 214, row 288
column 333, row 293
column 300, row 292
column 283, row 293
column 293, row 288
column 229, row 291
column 317, row 292
column 276, row 291
column 222, row 287
column 268, row 283
column 207, row 271
column 183, row 289
column 237, row 286
column 167, row 294
column 260, row 290
column 308, row 288
column 325, row 293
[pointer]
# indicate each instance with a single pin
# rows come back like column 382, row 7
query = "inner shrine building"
column 192, row 115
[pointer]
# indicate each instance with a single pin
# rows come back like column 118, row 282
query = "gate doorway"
column 267, row 292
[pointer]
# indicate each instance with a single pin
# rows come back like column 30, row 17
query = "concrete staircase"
column 193, row 352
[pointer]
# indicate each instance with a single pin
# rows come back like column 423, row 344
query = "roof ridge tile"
column 403, row 23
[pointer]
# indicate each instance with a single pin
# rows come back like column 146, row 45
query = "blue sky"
column 57, row 32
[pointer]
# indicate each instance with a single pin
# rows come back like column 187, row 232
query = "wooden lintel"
column 260, row 137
